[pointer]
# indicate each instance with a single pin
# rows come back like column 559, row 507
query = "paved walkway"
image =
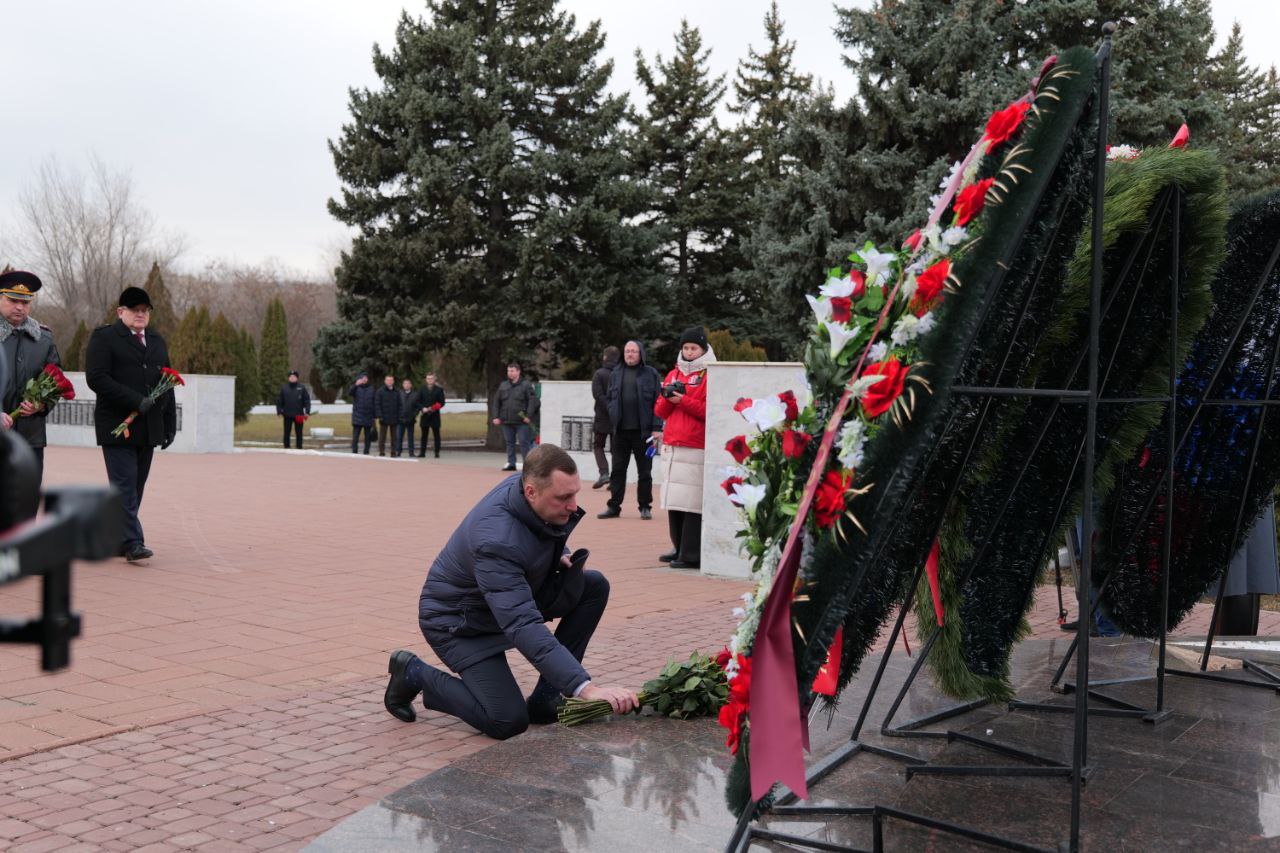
column 227, row 694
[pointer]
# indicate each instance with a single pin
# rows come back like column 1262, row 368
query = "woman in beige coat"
column 682, row 405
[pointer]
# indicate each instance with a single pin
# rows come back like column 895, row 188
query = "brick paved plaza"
column 226, row 695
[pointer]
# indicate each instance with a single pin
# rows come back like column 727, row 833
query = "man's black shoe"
column 398, row 697
column 601, row 482
column 646, row 513
column 138, row 552
column 684, row 564
column 1069, row 626
column 437, row 454
column 544, row 711
column 611, row 512
column 508, row 467
column 668, row 557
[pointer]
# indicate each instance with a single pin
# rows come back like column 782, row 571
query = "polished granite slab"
column 1206, row 778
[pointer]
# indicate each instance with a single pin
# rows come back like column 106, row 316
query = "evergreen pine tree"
column 182, row 342
column 1250, row 143
column 273, row 351
column 223, row 344
column 246, row 371
column 694, row 175
column 73, row 357
column 489, row 190
column 767, row 88
column 163, row 318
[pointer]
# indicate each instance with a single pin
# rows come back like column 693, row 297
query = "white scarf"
column 698, row 364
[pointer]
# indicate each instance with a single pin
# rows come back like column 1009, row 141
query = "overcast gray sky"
column 221, row 109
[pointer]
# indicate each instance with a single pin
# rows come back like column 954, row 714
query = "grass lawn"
column 267, row 428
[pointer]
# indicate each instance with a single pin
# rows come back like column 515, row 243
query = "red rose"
column 929, row 285
column 879, row 397
column 722, row 659
column 859, row 279
column 736, row 708
column 841, row 309
column 789, row 402
column 743, row 403
column 1005, row 123
column 738, row 449
column 728, row 484
column 794, row 442
column 970, row 200
column 913, row 242
column 828, row 500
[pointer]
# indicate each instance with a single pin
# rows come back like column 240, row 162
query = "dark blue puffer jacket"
column 478, row 599
column 361, row 405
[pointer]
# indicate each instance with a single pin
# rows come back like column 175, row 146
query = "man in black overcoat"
column 293, row 404
column 430, row 402
column 122, row 364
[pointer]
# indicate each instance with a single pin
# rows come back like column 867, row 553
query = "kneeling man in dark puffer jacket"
column 504, row 573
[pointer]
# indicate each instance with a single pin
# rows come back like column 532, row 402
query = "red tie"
column 141, row 341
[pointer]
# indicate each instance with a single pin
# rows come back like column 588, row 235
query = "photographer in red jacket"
column 682, row 404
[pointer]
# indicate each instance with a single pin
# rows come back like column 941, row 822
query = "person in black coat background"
column 504, row 573
column 633, row 389
column 293, row 404
column 122, row 364
column 601, row 426
column 430, row 402
column 408, row 414
column 386, row 408
column 362, row 410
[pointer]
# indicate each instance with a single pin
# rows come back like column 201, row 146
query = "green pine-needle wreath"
column 985, row 616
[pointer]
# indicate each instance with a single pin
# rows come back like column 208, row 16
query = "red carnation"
column 174, row 376
column 728, row 484
column 794, row 442
column 913, row 242
column 929, row 285
column 970, row 200
column 1005, row 123
column 738, row 449
column 879, row 397
column 743, row 403
column 790, row 404
column 828, row 500
column 859, row 279
column 736, row 708
column 841, row 309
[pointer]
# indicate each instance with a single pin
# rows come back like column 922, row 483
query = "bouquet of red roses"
column 169, row 379
column 300, row 419
column 44, row 388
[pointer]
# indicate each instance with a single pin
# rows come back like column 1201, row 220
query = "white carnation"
column 905, row 330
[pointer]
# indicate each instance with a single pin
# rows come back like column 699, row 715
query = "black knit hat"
column 695, row 335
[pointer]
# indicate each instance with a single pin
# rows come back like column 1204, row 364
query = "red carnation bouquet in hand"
column 169, row 379
column 45, row 387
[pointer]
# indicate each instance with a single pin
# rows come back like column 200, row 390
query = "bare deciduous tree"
column 88, row 235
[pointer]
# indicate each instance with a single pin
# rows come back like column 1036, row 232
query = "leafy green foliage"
column 246, row 371
column 694, row 688
column 273, row 352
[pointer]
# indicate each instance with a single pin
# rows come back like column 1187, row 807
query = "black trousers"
column 401, row 431
column 386, row 434
column 39, row 453
column 626, row 444
column 127, row 469
column 486, row 696
column 686, row 535
column 602, row 461
column 430, row 423
column 355, row 436
column 297, row 431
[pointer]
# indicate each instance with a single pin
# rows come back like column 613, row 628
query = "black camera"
column 79, row 523
column 674, row 388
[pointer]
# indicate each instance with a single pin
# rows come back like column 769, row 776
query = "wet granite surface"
column 1206, row 778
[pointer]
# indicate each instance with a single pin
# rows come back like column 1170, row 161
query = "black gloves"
column 146, row 405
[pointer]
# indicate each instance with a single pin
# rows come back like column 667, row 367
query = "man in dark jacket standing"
column 430, row 402
column 633, row 389
column 122, row 364
column 408, row 414
column 293, row 404
column 28, row 346
column 362, row 411
column 601, row 428
column 514, row 406
column 386, row 408
column 504, row 573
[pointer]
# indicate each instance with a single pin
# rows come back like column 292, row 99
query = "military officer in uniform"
column 28, row 347
column 122, row 364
